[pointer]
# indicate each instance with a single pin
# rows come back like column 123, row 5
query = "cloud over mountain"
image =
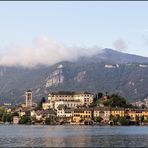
column 120, row 45
column 43, row 51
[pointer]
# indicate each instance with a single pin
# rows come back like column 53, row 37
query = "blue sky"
column 83, row 24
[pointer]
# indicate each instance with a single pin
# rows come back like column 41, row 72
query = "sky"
column 46, row 32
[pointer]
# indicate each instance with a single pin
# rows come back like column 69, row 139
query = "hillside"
column 127, row 75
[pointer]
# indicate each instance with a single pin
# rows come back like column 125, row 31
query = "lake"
column 73, row 136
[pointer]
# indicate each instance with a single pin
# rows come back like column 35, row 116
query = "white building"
column 146, row 102
column 70, row 99
column 63, row 111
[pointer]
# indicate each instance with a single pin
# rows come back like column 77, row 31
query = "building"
column 29, row 98
column 118, row 112
column 146, row 102
column 68, row 104
column 103, row 112
column 63, row 111
column 70, row 99
column 15, row 120
column 132, row 113
column 43, row 114
column 64, row 114
column 82, row 115
column 138, row 103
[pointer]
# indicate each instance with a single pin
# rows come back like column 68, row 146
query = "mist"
column 43, row 51
column 120, row 45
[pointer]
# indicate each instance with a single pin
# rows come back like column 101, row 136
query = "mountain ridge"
column 124, row 76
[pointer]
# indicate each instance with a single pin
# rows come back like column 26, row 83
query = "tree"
column 99, row 119
column 116, row 101
column 123, row 121
column 2, row 111
column 142, row 118
column 33, row 119
column 100, row 95
column 48, row 121
column 137, row 119
column 6, row 117
column 114, row 119
column 43, row 100
column 25, row 120
column 143, row 106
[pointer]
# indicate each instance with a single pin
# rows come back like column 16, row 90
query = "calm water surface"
column 73, row 136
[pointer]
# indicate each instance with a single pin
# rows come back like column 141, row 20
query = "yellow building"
column 118, row 112
column 132, row 113
column 81, row 115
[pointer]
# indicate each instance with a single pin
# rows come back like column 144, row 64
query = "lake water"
column 73, row 136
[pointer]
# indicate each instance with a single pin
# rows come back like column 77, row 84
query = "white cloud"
column 44, row 51
column 120, row 45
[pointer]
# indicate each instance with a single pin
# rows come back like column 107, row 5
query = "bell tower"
column 29, row 98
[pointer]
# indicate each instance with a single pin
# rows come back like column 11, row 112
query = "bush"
column 47, row 121
column 99, row 119
column 25, row 120
column 123, row 121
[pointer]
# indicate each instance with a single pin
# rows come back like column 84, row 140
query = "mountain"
column 107, row 71
column 113, row 56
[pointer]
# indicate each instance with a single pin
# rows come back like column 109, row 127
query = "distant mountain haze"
column 104, row 71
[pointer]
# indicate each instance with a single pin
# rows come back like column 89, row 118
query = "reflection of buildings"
column 29, row 98
column 65, row 136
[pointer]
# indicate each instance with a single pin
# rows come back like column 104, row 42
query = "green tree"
column 100, row 95
column 4, row 117
column 137, row 119
column 114, row 119
column 123, row 121
column 25, row 120
column 99, row 119
column 48, row 121
column 116, row 101
column 43, row 100
column 2, row 111
column 142, row 118
column 33, row 119
column 143, row 106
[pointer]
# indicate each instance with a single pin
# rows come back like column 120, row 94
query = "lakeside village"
column 75, row 108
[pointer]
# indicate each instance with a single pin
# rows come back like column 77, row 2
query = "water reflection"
column 73, row 136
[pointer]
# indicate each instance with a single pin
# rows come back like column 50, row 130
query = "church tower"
column 29, row 98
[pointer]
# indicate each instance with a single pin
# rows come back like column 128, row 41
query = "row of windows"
column 71, row 96
column 87, row 112
column 117, row 112
column 82, row 116
column 86, row 99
